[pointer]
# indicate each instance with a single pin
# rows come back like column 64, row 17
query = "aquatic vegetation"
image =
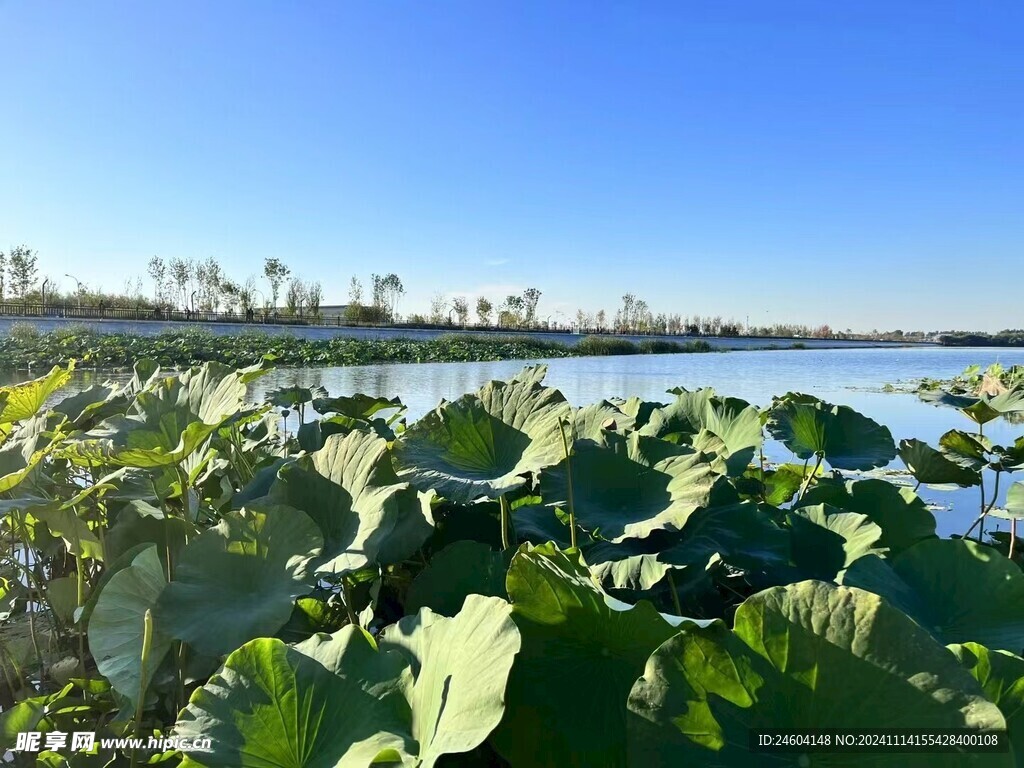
column 509, row 580
column 180, row 349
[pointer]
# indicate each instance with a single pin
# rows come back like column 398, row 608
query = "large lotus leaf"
column 239, row 579
column 1001, row 675
column 826, row 540
column 901, row 514
column 739, row 534
column 365, row 514
column 79, row 540
column 966, row 450
column 18, row 457
column 460, row 667
column 580, row 656
column 85, row 406
column 462, row 568
column 736, row 422
column 357, row 406
column 1010, row 458
column 591, row 421
column 331, row 702
column 629, row 487
column 957, row 590
column 847, row 439
column 171, row 418
column 485, row 444
column 22, row 401
column 808, row 655
column 930, row 466
column 117, row 621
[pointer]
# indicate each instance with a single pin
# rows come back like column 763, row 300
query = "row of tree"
column 202, row 285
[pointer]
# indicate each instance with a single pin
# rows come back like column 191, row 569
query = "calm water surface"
column 844, row 376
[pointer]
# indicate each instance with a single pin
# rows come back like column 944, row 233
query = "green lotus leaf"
column 331, row 701
column 1001, row 676
column 826, row 540
column 957, row 590
column 930, row 466
column 901, row 514
column 239, row 579
column 170, row 419
column 808, row 655
column 739, row 534
column 736, row 422
column 435, row 687
column 290, row 397
column 357, row 406
column 1010, row 459
column 591, row 421
column 1015, row 501
column 579, row 658
column 462, row 568
column 349, row 488
column 846, row 439
column 23, row 401
column 628, row 487
column 78, row 537
column 116, row 625
column 965, row 449
column 460, row 668
column 980, row 409
column 485, row 444
column 780, row 484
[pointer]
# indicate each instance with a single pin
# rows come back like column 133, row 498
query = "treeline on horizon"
column 205, row 286
column 1005, row 338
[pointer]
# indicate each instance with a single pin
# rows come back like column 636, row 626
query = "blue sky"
column 860, row 164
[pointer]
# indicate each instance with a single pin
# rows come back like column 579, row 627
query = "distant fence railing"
column 73, row 311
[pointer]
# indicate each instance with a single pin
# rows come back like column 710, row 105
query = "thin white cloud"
column 496, row 262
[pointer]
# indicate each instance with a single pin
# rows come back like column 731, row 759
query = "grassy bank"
column 26, row 348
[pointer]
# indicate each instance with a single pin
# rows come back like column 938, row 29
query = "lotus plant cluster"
column 507, row 581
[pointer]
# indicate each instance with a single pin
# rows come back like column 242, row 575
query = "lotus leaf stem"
column 147, row 644
column 568, row 471
column 503, row 504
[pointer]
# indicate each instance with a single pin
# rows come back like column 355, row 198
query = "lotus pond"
column 504, row 579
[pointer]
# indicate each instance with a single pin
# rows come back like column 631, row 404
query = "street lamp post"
column 79, row 289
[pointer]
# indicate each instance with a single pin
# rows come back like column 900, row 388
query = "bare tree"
column 295, row 296
column 437, row 307
column 600, row 320
column 314, row 296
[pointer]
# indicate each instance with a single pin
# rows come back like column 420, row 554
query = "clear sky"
column 860, row 164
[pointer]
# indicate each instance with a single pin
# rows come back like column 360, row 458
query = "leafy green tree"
column 531, row 297
column 484, row 308
column 22, row 270
column 276, row 273
column 314, row 297
column 461, row 307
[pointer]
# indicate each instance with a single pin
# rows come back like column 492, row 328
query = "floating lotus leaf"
column 485, row 444
column 901, row 514
column 591, row 421
column 847, row 439
column 116, row 625
column 1001, row 676
column 980, row 409
column 808, row 655
column 957, row 590
column 736, row 422
column 350, row 489
column 582, row 653
column 239, row 579
column 628, row 487
column 930, row 466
